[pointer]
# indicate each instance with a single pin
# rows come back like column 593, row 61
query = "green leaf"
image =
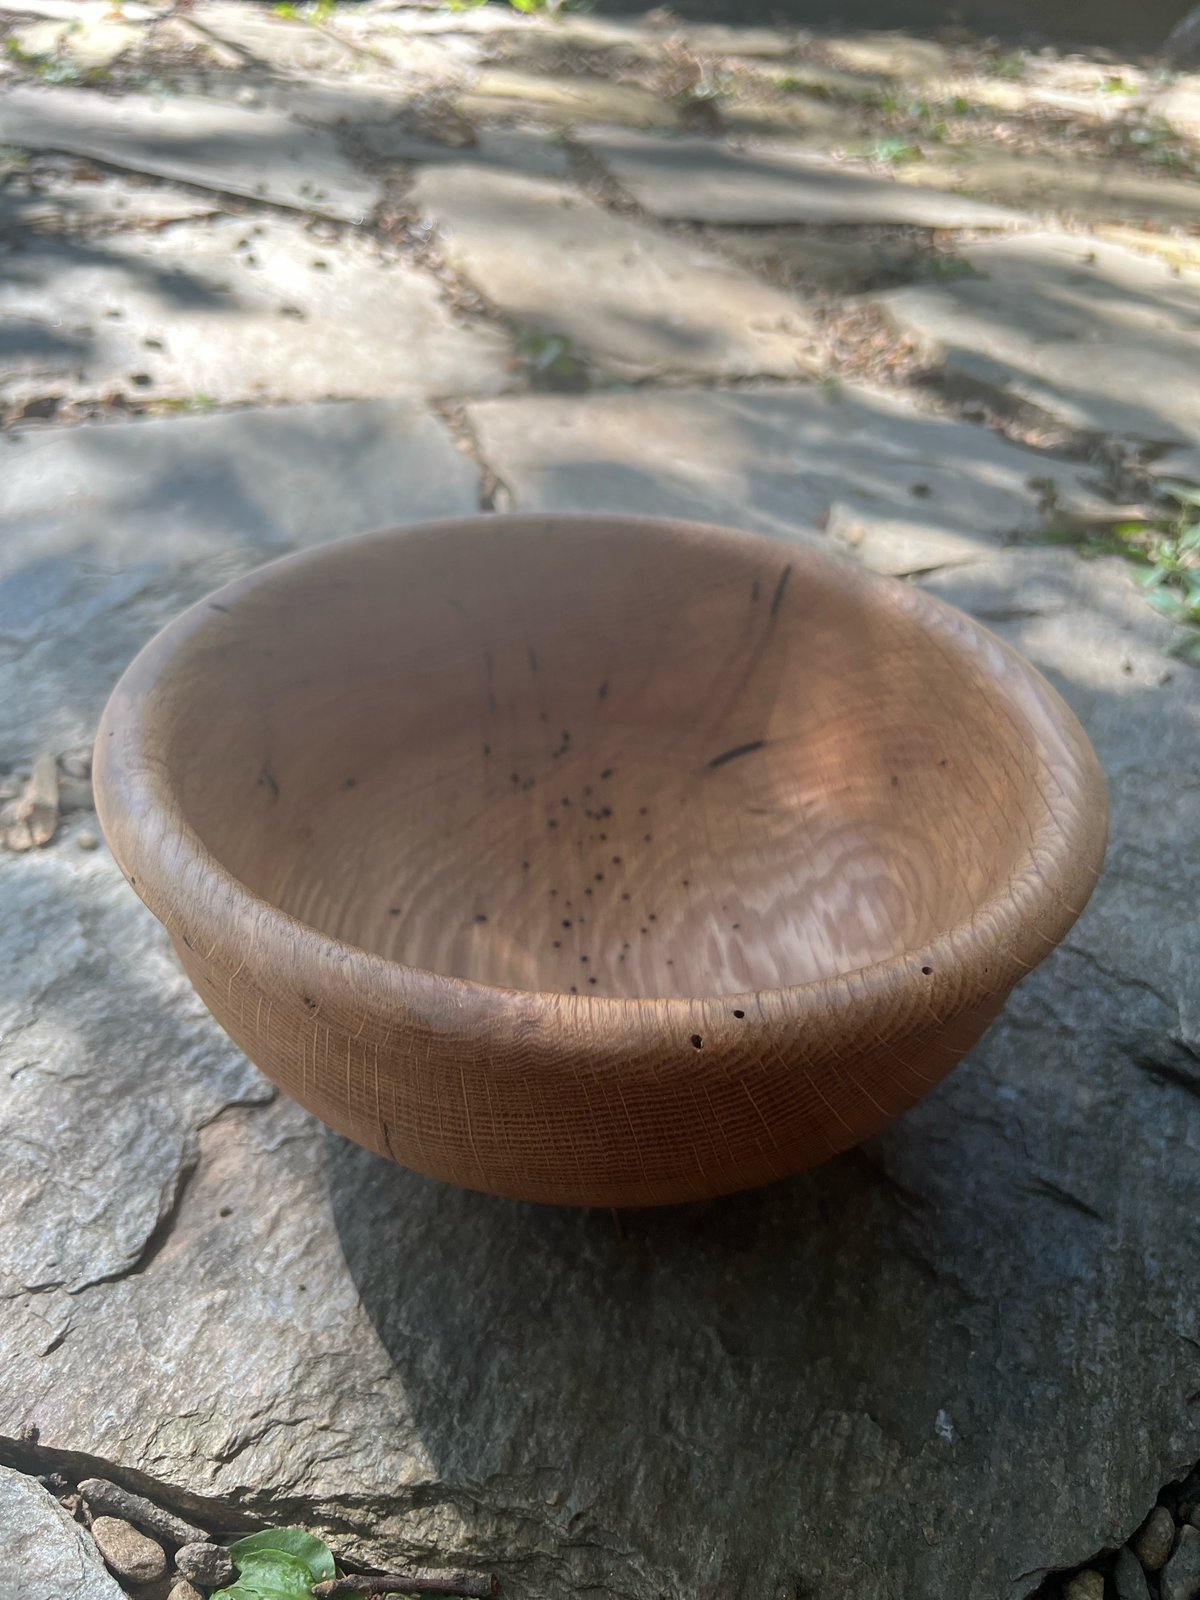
column 1185, row 493
column 294, row 1542
column 269, row 1575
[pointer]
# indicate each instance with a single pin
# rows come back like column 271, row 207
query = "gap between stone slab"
column 225, row 1520
column 494, row 493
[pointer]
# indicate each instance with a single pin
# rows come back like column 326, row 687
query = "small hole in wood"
column 927, row 971
column 697, row 1042
column 739, row 1014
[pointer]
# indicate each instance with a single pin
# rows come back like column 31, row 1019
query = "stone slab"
column 1101, row 338
column 922, row 1349
column 233, row 149
column 46, row 1555
column 633, row 301
column 61, row 204
column 704, row 180
column 903, row 490
column 567, row 100
column 531, row 151
column 1046, row 185
column 88, row 42
column 106, row 530
column 233, row 309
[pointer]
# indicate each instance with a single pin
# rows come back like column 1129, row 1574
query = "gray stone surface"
column 46, row 1556
column 700, row 180
column 1095, row 335
column 866, row 470
column 229, row 309
column 230, row 148
column 917, row 1342
column 107, row 530
column 62, row 204
column 531, row 151
column 634, row 301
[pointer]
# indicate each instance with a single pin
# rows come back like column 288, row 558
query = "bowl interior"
column 598, row 758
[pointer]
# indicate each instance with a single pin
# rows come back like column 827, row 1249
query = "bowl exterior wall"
column 588, row 1118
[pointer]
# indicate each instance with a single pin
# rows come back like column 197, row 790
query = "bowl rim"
column 171, row 868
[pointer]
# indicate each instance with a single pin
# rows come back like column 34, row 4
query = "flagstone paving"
column 268, row 280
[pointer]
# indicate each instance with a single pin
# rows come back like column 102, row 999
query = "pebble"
column 1153, row 1540
column 77, row 763
column 204, row 1563
column 183, row 1590
column 1128, row 1578
column 1181, row 1575
column 87, row 840
column 128, row 1553
column 75, row 794
column 1087, row 1585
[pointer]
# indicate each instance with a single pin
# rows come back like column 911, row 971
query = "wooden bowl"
column 597, row 860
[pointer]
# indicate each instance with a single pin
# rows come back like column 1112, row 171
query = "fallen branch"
column 471, row 1586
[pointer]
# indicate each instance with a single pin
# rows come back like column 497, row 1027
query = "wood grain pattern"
column 597, row 860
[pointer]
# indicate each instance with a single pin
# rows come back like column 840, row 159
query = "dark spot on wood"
column 533, row 660
column 350, row 783
column 591, row 980
column 487, row 749
column 739, row 1014
column 213, row 605
column 625, row 894
column 516, row 777
column 652, row 917
column 557, row 943
column 735, row 925
column 895, row 780
column 943, row 762
column 574, row 990
column 738, row 751
column 685, row 883
column 928, row 971
column 599, row 877
column 553, row 822
column 647, row 837
column 697, row 1042
column 583, row 958
column 187, row 941
column 602, row 691
column 309, row 1002
column 566, row 922
column 644, row 811
column 455, row 605
column 394, row 911
column 616, row 861
column 607, row 773
column 267, row 781
column 481, row 916
column 780, row 590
